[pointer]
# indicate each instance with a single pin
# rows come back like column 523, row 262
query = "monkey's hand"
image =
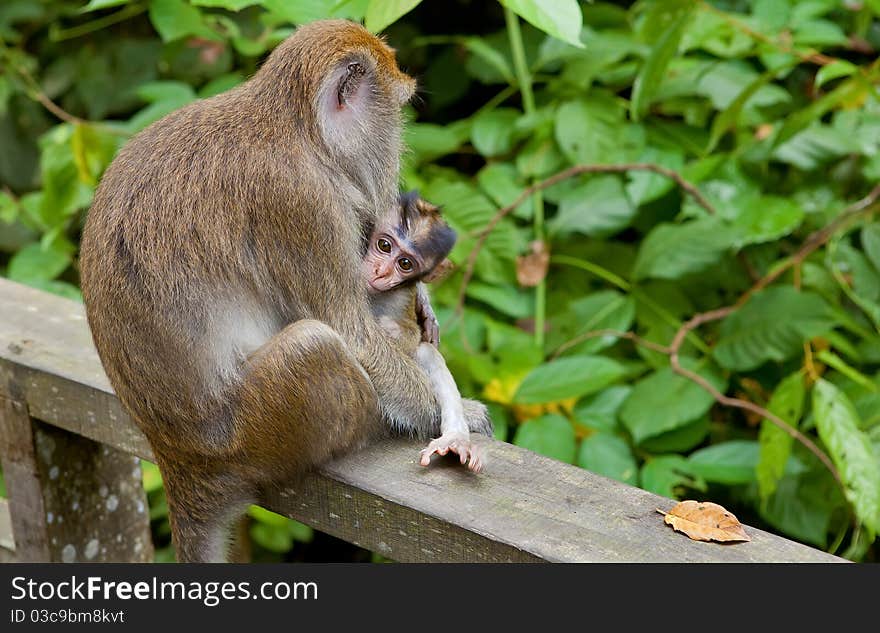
column 426, row 317
column 460, row 444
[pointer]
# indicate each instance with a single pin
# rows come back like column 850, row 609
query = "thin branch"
column 571, row 172
column 814, row 241
column 55, row 109
column 739, row 403
column 632, row 336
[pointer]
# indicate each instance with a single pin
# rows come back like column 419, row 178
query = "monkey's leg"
column 204, row 504
column 303, row 398
column 454, row 432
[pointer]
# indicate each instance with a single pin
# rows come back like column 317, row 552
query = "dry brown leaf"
column 532, row 268
column 705, row 521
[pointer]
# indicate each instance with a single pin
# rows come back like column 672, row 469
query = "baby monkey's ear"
column 441, row 271
column 426, row 208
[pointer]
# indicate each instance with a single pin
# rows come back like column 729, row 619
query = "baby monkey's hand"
column 460, row 444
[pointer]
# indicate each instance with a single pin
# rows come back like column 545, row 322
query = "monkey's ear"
column 343, row 100
column 441, row 271
column 426, row 208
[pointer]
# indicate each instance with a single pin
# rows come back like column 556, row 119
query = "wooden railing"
column 70, row 457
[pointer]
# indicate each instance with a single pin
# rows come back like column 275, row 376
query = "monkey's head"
column 342, row 81
column 409, row 244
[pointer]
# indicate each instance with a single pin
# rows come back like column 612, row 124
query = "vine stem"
column 565, row 174
column 524, row 79
column 811, row 243
column 739, row 403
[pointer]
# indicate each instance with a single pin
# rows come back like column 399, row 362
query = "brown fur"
column 221, row 276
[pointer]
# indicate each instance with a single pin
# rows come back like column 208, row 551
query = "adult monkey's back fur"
column 221, row 277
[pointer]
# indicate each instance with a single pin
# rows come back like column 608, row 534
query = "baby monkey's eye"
column 383, row 245
column 405, row 264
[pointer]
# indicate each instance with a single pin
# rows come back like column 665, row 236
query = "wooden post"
column 70, row 498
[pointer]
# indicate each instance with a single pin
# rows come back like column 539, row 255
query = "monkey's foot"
column 460, row 444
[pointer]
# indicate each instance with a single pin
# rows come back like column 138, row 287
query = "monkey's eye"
column 383, row 245
column 405, row 264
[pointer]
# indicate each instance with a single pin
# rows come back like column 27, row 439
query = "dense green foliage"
column 765, row 114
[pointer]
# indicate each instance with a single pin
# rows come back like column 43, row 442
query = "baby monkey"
column 409, row 246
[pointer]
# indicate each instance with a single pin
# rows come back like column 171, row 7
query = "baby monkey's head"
column 407, row 245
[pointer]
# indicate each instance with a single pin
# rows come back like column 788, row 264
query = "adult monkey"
column 221, row 275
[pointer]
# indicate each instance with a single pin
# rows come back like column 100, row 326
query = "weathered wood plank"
column 22, row 479
column 71, row 499
column 524, row 507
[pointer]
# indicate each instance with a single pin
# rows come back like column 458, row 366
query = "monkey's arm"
column 454, row 432
column 426, row 317
column 406, row 398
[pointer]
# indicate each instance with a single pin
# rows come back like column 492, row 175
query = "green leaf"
column 539, row 157
column 849, row 91
column 268, row 517
column 303, row 11
column 34, row 262
column 663, row 474
column 273, row 538
column 726, row 463
column 590, row 131
column 775, row 444
column 679, row 440
column 508, row 299
column 8, row 208
column 175, row 19
column 429, row 141
column 772, row 325
column 493, row 58
column 654, row 69
column 671, row 251
column 819, row 33
column 164, row 97
column 815, row 146
column 499, row 181
column 220, row 84
column 493, row 132
column 834, row 70
column 156, row 91
column 871, row 243
column 64, row 192
column 549, row 435
column 765, row 219
column 850, row 448
column 646, row 186
column 467, row 210
column 600, row 410
column 603, row 310
column 609, row 455
column 93, row 148
column 597, row 207
column 664, row 401
column 383, row 13
column 569, row 377
column 728, row 118
column 560, row 18
column 800, row 508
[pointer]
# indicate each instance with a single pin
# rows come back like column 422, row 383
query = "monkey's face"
column 407, row 246
column 391, row 261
